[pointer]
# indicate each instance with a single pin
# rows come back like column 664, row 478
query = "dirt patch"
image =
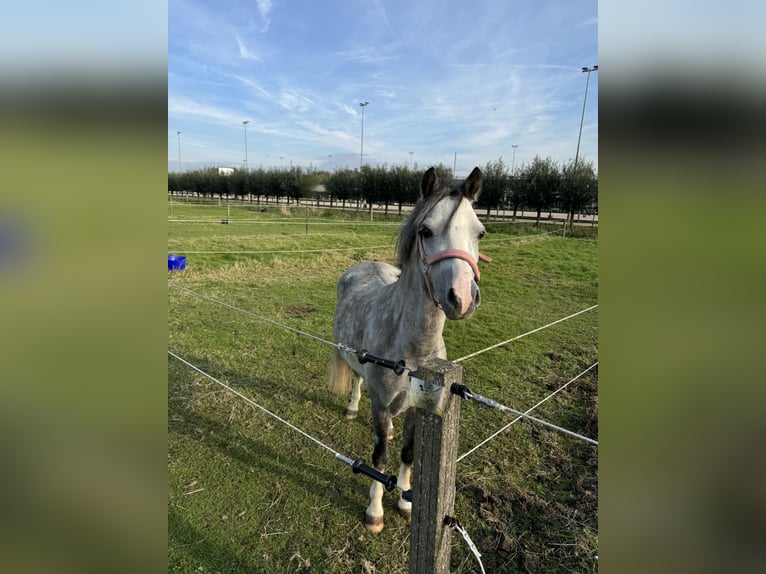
column 298, row 310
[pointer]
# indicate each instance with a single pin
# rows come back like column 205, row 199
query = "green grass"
column 247, row 494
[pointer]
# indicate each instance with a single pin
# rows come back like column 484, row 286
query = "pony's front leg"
column 403, row 480
column 356, row 393
column 405, row 469
column 373, row 517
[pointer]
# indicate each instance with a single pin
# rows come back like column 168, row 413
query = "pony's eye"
column 425, row 232
column 482, row 233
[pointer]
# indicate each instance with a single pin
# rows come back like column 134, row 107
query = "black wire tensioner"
column 388, row 481
column 396, row 366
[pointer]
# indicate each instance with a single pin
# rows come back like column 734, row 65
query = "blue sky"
column 441, row 77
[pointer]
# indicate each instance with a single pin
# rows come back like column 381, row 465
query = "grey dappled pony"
column 399, row 313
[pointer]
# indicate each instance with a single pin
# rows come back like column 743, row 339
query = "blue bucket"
column 176, row 262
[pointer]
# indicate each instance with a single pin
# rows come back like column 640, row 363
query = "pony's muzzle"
column 462, row 298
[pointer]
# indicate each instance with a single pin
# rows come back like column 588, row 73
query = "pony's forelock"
column 408, row 233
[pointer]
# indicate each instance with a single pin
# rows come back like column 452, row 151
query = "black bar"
column 388, row 481
column 396, row 366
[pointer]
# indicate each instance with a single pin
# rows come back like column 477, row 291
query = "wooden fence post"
column 437, row 413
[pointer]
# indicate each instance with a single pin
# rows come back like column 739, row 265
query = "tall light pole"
column 513, row 161
column 179, row 150
column 585, row 99
column 361, row 149
column 412, row 152
column 244, row 123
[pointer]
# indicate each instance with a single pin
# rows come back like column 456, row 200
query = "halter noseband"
column 426, row 263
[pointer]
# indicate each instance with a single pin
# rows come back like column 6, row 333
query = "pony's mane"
column 408, row 233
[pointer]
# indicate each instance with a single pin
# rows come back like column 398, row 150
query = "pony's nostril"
column 453, row 299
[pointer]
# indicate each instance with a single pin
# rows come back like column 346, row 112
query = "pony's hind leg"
column 356, row 393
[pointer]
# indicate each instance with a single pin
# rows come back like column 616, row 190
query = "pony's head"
column 442, row 236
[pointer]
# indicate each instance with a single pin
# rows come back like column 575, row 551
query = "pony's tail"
column 340, row 375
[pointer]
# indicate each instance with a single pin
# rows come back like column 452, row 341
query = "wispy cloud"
column 189, row 108
column 294, row 100
column 264, row 10
column 384, row 16
column 244, row 51
column 252, row 84
column 264, row 7
column 365, row 55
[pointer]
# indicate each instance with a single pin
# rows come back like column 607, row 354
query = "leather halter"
column 426, row 263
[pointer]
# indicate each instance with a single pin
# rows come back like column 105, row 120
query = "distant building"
column 225, row 170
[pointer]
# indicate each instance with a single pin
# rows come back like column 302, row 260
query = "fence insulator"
column 461, row 390
column 454, row 524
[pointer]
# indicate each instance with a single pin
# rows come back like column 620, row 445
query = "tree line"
column 540, row 186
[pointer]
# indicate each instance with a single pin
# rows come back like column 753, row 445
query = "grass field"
column 247, row 494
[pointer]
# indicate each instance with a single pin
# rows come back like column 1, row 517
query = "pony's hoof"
column 350, row 415
column 373, row 524
column 406, row 513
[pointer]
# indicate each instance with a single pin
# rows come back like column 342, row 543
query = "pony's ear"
column 472, row 185
column 429, row 183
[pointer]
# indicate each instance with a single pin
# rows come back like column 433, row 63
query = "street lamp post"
column 179, row 151
column 412, row 152
column 513, row 161
column 585, row 99
column 244, row 123
column 361, row 149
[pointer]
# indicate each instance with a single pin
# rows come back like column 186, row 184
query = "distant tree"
column 377, row 185
column 174, row 182
column 443, row 172
column 342, row 184
column 200, row 181
column 256, row 182
column 578, row 189
column 514, row 196
column 386, row 186
column 272, row 185
column 189, row 182
column 216, row 183
column 412, row 186
column 232, row 183
column 401, row 183
column 541, row 182
column 495, row 183
column 294, row 184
